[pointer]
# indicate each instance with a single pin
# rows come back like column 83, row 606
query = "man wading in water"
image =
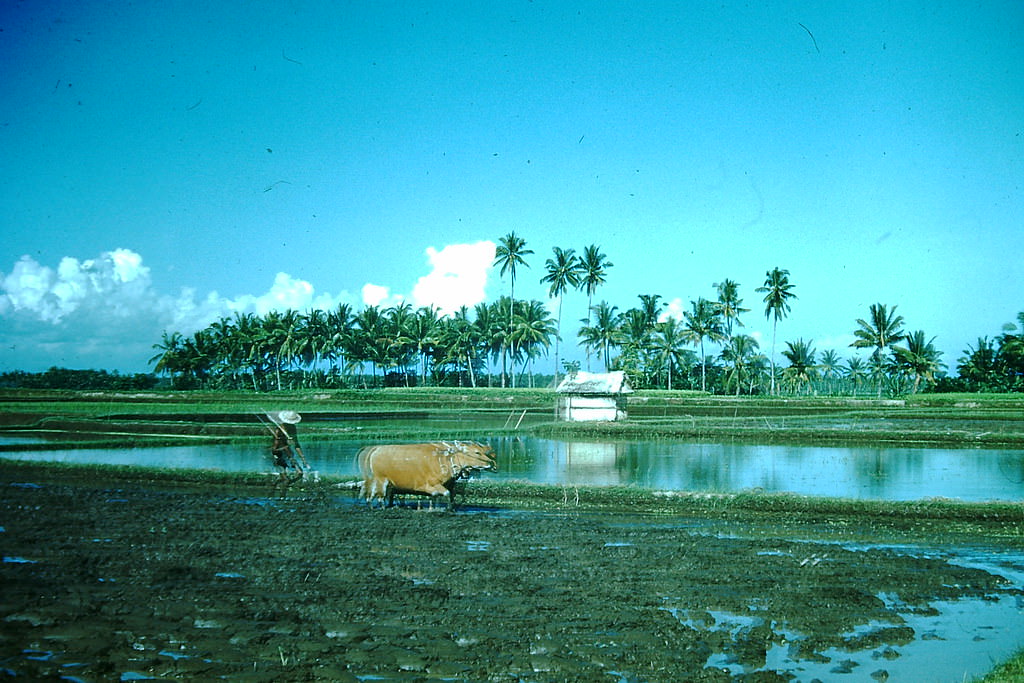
column 285, row 446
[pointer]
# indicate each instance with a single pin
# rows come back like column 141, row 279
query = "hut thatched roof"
column 595, row 383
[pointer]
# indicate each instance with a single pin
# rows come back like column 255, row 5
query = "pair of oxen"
column 429, row 469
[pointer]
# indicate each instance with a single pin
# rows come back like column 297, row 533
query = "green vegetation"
column 103, row 419
column 343, row 348
column 1010, row 671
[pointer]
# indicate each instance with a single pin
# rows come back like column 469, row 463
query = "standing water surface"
column 849, row 472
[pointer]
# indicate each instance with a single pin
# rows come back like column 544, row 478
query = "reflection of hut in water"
column 586, row 454
column 588, row 396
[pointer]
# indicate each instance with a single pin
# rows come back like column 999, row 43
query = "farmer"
column 285, row 446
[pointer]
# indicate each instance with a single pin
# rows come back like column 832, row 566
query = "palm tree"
column 730, row 304
column 533, row 331
column 398, row 342
column 602, row 335
column 882, row 329
column 1011, row 354
column 248, row 338
column 422, row 335
column 316, row 337
column 979, row 366
column 668, row 344
column 918, row 358
column 509, row 255
column 856, row 371
column 369, row 340
column 489, row 332
column 802, row 368
column 829, row 367
column 703, row 321
column 739, row 353
column 563, row 272
column 633, row 336
column 169, row 358
column 651, row 307
column 340, row 329
column 459, row 343
column 777, row 292
column 594, row 267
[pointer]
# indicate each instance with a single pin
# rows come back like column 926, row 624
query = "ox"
column 429, row 469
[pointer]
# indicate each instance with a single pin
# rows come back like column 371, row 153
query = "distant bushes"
column 63, row 378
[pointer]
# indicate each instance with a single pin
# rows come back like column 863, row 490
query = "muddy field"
column 138, row 580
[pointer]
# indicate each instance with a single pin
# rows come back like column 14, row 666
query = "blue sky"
column 166, row 163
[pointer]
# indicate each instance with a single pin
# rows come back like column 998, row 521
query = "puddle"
column 962, row 641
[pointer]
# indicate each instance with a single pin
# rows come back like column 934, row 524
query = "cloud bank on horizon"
column 97, row 312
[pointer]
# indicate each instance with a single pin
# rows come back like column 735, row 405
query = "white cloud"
column 378, row 295
column 457, row 278
column 105, row 312
column 115, row 281
column 675, row 309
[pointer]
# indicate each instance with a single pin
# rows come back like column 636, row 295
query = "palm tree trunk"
column 703, row 367
column 775, row 328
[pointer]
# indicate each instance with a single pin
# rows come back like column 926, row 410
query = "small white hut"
column 587, row 396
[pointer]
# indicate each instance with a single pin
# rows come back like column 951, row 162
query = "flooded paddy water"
column 845, row 472
column 131, row 579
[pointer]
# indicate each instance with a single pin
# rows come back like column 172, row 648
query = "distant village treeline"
column 500, row 343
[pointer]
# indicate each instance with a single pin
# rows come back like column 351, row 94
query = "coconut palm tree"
column 533, row 331
column 919, row 358
column 459, row 342
column 651, row 308
column 489, row 331
column 802, row 368
column 777, row 291
column 830, row 367
column 668, row 344
column 738, row 354
column 340, row 323
column 594, row 267
column 856, row 371
column 602, row 335
column 633, row 336
column 369, row 341
column 730, row 305
column 979, row 366
column 399, row 320
column 315, row 342
column 169, row 358
column 248, row 335
column 881, row 330
column 563, row 271
column 510, row 255
column 422, row 335
column 703, row 321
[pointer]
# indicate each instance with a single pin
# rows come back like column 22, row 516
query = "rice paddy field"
column 127, row 573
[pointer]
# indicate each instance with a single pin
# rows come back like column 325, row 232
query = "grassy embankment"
column 148, row 418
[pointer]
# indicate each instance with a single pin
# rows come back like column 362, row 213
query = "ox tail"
column 363, row 463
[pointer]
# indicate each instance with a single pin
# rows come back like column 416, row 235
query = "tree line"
column 498, row 343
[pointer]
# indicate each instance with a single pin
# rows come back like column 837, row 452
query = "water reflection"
column 853, row 472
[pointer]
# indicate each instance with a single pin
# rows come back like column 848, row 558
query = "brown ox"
column 429, row 469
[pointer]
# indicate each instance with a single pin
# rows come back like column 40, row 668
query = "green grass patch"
column 1010, row 671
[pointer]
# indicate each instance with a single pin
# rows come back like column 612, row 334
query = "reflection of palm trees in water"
column 1006, row 467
